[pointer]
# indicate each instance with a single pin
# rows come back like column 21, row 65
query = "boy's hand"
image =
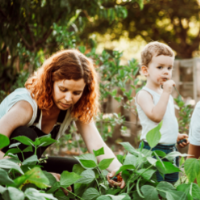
column 168, row 86
column 182, row 140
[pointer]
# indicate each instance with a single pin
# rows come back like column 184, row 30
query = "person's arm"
column 155, row 112
column 94, row 141
column 19, row 115
column 193, row 151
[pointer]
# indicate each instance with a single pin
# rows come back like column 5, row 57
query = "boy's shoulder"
column 143, row 95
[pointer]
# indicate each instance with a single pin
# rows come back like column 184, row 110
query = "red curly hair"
column 66, row 64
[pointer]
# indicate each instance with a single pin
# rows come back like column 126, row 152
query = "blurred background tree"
column 174, row 22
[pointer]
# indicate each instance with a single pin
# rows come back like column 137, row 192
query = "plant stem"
column 98, row 185
column 21, row 153
column 74, row 194
column 99, row 171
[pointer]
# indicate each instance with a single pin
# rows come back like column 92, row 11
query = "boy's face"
column 159, row 69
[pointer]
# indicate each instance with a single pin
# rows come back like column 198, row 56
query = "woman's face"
column 67, row 92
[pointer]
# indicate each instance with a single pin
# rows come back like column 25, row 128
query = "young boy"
column 155, row 103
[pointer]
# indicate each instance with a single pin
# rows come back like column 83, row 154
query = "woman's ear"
column 144, row 70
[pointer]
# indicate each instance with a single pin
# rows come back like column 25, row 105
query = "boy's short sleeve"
column 194, row 131
column 20, row 94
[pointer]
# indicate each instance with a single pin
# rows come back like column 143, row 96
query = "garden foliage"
column 27, row 181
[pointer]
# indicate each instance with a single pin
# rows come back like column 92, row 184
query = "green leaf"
column 129, row 147
column 146, row 174
column 90, row 194
column 51, row 178
column 88, row 164
column 103, row 197
column 78, row 169
column 166, row 167
column 154, row 135
column 105, row 163
column 34, row 194
column 54, row 187
column 28, row 149
column 68, row 178
column 87, row 177
column 160, row 153
column 170, row 156
column 152, row 161
column 14, row 192
column 4, row 141
column 35, row 176
column 99, row 152
column 45, row 140
column 149, row 192
column 191, row 189
column 165, row 186
column 130, row 160
column 174, row 195
column 2, row 189
column 122, row 196
column 7, row 164
column 14, row 151
column 24, row 140
column 192, row 168
column 31, row 160
column 4, row 178
column 87, row 160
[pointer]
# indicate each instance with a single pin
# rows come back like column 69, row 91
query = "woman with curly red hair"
column 64, row 89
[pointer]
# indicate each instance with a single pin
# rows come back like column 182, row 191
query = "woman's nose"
column 68, row 97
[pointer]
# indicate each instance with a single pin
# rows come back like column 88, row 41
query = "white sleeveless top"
column 22, row 94
column 169, row 129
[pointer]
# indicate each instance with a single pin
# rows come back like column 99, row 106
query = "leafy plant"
column 26, row 180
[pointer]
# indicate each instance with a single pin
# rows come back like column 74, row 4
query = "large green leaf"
column 192, row 168
column 154, row 135
column 24, row 140
column 149, row 192
column 13, row 150
column 34, row 194
column 78, row 169
column 103, row 197
column 87, row 177
column 166, row 167
column 174, row 154
column 122, row 196
column 35, row 176
column 31, row 160
column 50, row 177
column 99, row 152
column 15, row 193
column 130, row 160
column 46, row 140
column 105, row 163
column 129, row 147
column 4, row 141
column 175, row 195
column 146, row 174
column 69, row 178
column 90, row 194
column 4, row 178
column 7, row 164
column 191, row 189
column 2, row 189
column 87, row 160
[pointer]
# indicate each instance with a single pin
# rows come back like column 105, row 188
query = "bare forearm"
column 2, row 155
column 159, row 109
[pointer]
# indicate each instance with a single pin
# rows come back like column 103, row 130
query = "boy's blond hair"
column 154, row 49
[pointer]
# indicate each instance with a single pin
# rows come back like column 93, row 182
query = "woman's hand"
column 182, row 140
column 118, row 182
column 57, row 176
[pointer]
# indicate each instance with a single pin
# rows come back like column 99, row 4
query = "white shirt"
column 23, row 94
column 194, row 131
column 169, row 130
